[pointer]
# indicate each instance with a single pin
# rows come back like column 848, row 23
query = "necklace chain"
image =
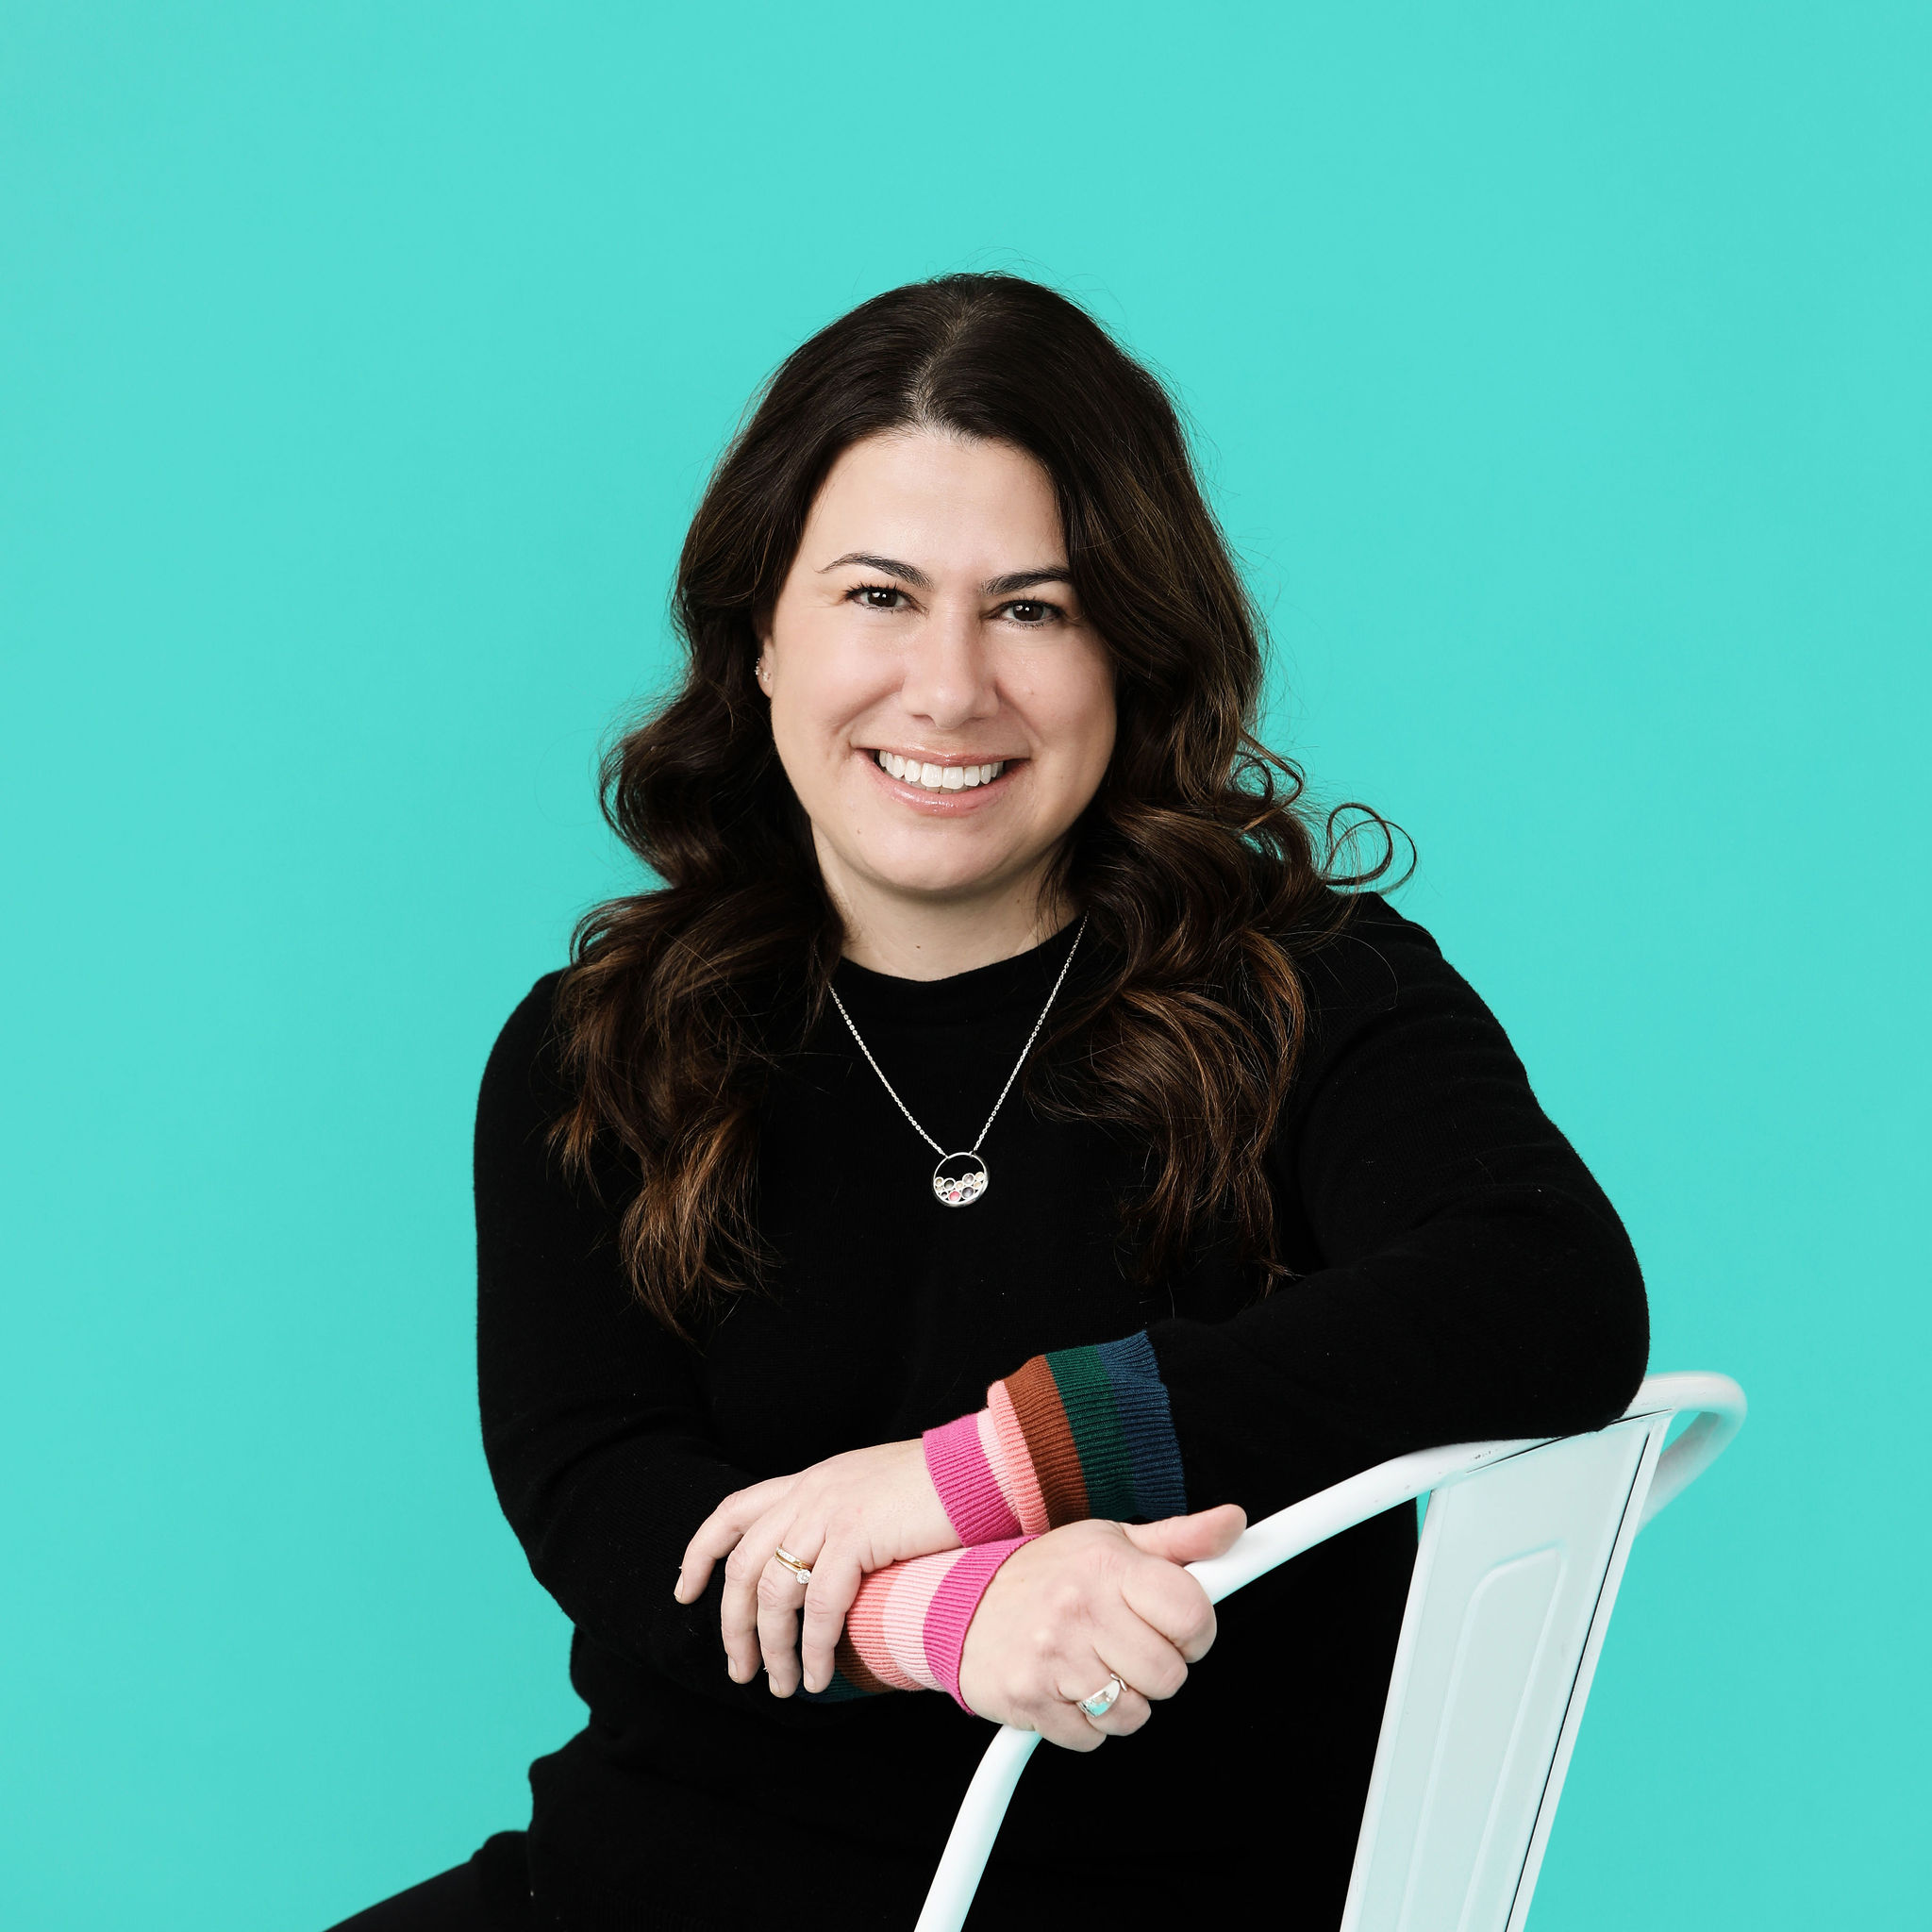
column 1010, row 1078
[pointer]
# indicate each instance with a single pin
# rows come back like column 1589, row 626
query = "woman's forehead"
column 938, row 502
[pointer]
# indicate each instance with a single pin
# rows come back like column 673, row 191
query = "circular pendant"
column 959, row 1179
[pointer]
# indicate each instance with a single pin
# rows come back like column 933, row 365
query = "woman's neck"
column 933, row 938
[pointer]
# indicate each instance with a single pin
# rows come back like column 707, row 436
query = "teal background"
column 1563, row 375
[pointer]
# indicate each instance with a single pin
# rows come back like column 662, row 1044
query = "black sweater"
column 1459, row 1275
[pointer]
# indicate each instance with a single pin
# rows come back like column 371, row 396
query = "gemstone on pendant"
column 959, row 1179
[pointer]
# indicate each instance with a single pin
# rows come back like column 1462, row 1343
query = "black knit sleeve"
column 1471, row 1280
column 594, row 1425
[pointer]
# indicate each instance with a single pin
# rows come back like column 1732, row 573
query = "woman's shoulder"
column 1366, row 968
column 523, row 1078
column 1357, row 950
column 532, row 1020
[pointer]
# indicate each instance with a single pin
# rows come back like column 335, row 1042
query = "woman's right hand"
column 1088, row 1601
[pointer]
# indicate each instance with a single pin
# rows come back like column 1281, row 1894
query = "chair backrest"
column 1523, row 1549
column 1514, row 1582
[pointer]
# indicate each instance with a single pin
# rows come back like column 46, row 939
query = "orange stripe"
column 852, row 1667
column 1049, row 1442
column 865, row 1633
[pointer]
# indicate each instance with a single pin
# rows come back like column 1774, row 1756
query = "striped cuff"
column 1076, row 1433
column 969, row 1493
column 1086, row 1432
column 907, row 1627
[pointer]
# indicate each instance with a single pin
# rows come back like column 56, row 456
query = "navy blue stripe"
column 1147, row 1425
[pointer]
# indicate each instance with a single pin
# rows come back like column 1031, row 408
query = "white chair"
column 1523, row 1548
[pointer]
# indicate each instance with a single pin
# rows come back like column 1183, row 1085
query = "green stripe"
column 841, row 1690
column 1086, row 1393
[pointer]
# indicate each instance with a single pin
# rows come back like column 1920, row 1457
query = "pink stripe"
column 1016, row 1465
column 952, row 1604
column 968, row 1492
column 913, row 1588
column 865, row 1625
column 989, row 1448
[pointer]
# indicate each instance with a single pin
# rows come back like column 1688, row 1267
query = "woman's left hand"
column 842, row 1517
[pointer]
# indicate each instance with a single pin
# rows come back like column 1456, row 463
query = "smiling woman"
column 862, row 563
column 958, row 822
column 941, row 731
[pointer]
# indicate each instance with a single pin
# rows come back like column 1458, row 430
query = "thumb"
column 1188, row 1539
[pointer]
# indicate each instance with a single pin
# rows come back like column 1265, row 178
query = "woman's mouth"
column 935, row 777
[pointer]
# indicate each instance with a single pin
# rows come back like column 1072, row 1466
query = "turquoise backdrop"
column 1564, row 375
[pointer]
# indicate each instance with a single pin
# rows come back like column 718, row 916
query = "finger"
column 1170, row 1601
column 1139, row 1653
column 776, row 1596
column 1188, row 1539
column 737, row 1608
column 719, row 1533
column 716, row 1538
column 1065, row 1724
column 780, row 1596
column 1129, row 1711
column 1094, row 1677
column 835, row 1579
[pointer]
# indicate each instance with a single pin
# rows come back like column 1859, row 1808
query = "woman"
column 833, row 1452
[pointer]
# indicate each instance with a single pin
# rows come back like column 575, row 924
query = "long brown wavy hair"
column 1200, row 871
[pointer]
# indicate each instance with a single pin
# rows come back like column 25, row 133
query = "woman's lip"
column 941, row 759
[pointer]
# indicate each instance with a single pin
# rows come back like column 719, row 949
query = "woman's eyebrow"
column 886, row 566
column 912, row 574
column 1025, row 579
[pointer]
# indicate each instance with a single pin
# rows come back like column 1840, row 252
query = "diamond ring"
column 801, row 1571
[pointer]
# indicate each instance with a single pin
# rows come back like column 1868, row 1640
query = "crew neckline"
column 979, row 992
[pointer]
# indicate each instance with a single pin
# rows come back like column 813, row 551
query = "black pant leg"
column 489, row 1893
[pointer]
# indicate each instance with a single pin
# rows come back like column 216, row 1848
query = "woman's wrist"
column 907, row 1627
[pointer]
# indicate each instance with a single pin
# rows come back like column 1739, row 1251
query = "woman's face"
column 941, row 704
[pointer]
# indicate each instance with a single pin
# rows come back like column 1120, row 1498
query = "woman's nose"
column 949, row 671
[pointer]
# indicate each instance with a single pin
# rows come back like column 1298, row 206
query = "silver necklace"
column 959, row 1179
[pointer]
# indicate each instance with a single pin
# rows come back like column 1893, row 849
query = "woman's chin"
column 936, row 869
column 943, row 887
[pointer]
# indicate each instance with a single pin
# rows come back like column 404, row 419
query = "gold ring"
column 801, row 1571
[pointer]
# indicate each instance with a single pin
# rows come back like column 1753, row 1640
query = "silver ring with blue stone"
column 1104, row 1699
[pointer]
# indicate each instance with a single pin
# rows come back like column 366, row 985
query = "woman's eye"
column 1032, row 612
column 877, row 596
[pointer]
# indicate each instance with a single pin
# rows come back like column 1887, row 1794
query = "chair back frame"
column 1523, row 1550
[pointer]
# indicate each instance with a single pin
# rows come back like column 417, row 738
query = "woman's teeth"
column 938, row 777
